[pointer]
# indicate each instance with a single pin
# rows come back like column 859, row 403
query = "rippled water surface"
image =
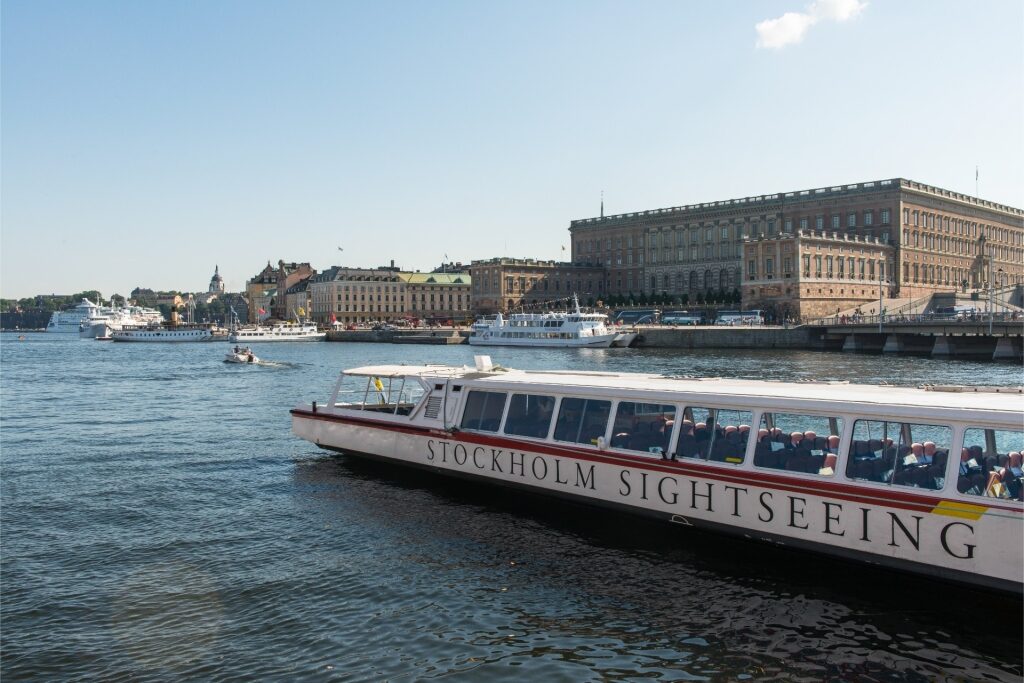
column 160, row 522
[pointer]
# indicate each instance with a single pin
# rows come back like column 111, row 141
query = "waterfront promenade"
column 998, row 339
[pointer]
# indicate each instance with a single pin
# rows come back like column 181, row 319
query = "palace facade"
column 919, row 239
column 507, row 284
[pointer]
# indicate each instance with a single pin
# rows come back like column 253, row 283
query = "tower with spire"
column 216, row 282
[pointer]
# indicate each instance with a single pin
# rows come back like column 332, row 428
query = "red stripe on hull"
column 905, row 500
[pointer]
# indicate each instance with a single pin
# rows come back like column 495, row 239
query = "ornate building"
column 934, row 236
column 505, row 284
column 216, row 282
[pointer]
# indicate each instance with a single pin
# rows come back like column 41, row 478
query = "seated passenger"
column 1013, row 477
column 832, row 444
column 795, row 439
column 994, row 487
column 928, row 456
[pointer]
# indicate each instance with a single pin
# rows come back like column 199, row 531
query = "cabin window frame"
column 678, row 433
column 845, row 427
column 508, row 410
column 956, row 434
column 465, row 406
column 613, row 416
column 587, row 444
column 953, row 469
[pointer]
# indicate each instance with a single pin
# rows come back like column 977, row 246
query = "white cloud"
column 791, row 27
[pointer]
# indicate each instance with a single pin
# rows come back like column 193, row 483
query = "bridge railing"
column 966, row 318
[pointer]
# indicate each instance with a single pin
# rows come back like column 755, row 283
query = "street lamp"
column 880, row 315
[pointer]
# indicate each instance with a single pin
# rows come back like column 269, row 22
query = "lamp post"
column 991, row 307
column 880, row 281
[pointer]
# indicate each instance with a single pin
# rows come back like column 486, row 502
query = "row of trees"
column 708, row 298
column 48, row 303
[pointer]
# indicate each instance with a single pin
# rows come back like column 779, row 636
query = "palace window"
column 869, row 217
column 851, row 220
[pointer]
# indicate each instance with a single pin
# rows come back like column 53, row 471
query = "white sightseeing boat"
column 70, row 321
column 286, row 331
column 860, row 472
column 168, row 332
column 574, row 328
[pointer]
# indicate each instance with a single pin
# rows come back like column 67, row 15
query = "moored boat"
column 70, row 320
column 573, row 329
column 286, row 331
column 167, row 332
column 926, row 480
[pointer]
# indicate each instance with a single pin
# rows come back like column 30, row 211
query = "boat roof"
column 1008, row 400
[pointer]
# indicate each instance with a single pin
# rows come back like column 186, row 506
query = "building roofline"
column 801, row 195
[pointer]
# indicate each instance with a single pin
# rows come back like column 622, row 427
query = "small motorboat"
column 241, row 355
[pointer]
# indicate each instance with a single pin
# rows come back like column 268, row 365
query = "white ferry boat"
column 286, row 331
column 70, row 321
column 548, row 329
column 186, row 332
column 101, row 323
column 926, row 480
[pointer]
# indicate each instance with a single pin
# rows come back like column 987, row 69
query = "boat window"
column 582, row 420
column 483, row 410
column 529, row 415
column 798, row 443
column 643, row 427
column 990, row 463
column 899, row 453
column 714, row 434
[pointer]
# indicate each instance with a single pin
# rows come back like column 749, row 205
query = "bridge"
column 996, row 336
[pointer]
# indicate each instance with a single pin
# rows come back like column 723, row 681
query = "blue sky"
column 145, row 142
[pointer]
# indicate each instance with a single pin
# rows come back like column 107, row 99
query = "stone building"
column 935, row 236
column 438, row 296
column 357, row 295
column 216, row 282
column 267, row 290
column 259, row 291
column 297, row 299
column 812, row 274
column 506, row 284
column 288, row 274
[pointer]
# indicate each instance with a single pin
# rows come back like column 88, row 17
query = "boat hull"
column 597, row 342
column 162, row 336
column 906, row 530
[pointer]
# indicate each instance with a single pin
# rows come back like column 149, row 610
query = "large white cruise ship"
column 70, row 321
column 574, row 328
column 104, row 321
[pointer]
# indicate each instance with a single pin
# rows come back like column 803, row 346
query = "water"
column 160, row 522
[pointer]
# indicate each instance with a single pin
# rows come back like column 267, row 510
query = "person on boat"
column 795, row 439
column 833, row 444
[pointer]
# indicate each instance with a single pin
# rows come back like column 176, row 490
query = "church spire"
column 602, row 203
